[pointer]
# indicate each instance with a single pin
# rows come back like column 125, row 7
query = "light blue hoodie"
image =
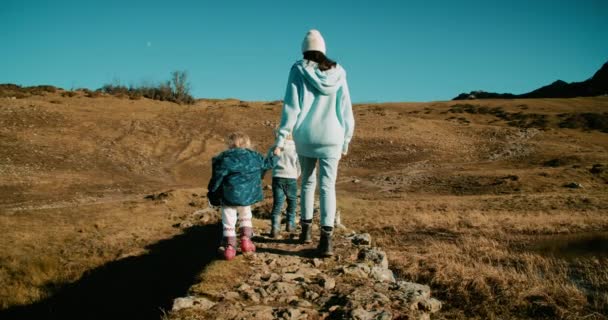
column 317, row 110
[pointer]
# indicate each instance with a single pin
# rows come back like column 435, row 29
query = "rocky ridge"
column 287, row 281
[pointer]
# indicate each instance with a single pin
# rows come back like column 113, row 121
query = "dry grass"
column 459, row 204
column 70, row 241
column 482, row 263
column 220, row 275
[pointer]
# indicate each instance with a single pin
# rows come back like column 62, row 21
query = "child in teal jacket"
column 317, row 110
column 236, row 184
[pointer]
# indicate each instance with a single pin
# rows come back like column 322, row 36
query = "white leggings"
column 229, row 217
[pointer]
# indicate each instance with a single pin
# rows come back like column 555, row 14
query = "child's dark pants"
column 284, row 188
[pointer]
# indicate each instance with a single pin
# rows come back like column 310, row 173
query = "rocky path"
column 287, row 281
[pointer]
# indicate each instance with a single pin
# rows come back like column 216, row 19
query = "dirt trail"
column 286, row 280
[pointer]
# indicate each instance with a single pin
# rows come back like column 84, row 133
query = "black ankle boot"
column 326, row 248
column 274, row 233
column 306, row 235
column 289, row 228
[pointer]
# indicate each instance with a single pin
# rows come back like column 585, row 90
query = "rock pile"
column 287, row 281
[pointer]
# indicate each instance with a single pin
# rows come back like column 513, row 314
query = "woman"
column 318, row 112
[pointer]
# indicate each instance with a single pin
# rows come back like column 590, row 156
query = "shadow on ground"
column 138, row 287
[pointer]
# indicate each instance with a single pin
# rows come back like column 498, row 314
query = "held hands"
column 277, row 151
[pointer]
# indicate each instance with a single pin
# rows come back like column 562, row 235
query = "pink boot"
column 247, row 245
column 228, row 248
column 229, row 253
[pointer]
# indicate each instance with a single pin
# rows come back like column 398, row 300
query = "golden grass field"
column 466, row 196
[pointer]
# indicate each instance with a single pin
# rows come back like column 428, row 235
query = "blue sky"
column 392, row 50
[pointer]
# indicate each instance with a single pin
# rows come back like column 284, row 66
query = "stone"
column 327, row 282
column 232, row 296
column 360, row 270
column 364, row 239
column 411, row 293
column 255, row 283
column 304, row 304
column 289, row 261
column 206, row 219
column 251, row 295
column 368, row 298
column 262, row 292
column 311, row 295
column 423, row 316
column 431, row 305
column 282, row 289
column 373, row 255
column 190, row 302
column 293, row 313
column 184, row 225
column 308, row 272
column 258, row 312
column 384, row 315
column 248, row 293
column 293, row 300
column 382, row 274
column 255, row 276
column 573, row 185
column 290, row 269
column 290, row 277
column 362, row 314
column 271, row 262
column 317, row 262
column 270, row 277
column 244, row 287
column 159, row 196
column 382, row 286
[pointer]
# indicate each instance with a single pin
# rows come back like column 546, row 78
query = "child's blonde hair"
column 238, row 140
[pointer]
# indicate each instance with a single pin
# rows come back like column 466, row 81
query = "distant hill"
column 594, row 86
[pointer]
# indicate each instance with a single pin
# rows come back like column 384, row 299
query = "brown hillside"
column 462, row 195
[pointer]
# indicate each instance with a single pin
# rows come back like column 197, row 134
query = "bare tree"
column 180, row 84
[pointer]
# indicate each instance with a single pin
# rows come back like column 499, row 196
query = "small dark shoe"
column 326, row 243
column 306, row 234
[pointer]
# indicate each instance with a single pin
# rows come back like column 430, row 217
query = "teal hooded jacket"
column 317, row 111
column 236, row 177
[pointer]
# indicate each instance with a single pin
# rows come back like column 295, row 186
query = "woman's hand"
column 277, row 151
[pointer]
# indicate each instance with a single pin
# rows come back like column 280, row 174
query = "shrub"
column 176, row 90
column 93, row 94
column 586, row 121
column 17, row 91
column 40, row 90
column 69, row 94
column 90, row 93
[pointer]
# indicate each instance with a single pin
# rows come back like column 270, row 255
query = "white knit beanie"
column 313, row 42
